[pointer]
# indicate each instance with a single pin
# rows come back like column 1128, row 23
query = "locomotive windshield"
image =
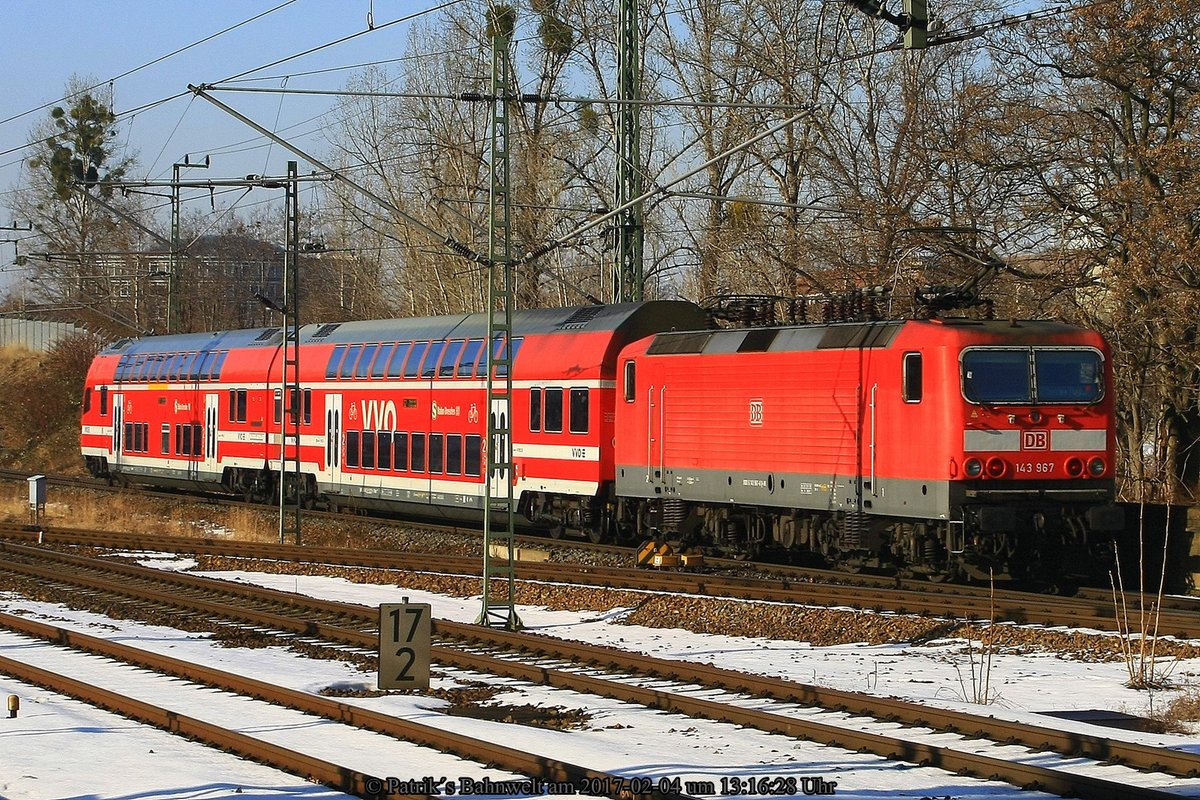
column 1032, row 375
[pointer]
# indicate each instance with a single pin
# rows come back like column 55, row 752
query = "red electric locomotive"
column 952, row 448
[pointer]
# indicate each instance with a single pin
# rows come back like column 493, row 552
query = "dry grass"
column 1183, row 712
column 149, row 515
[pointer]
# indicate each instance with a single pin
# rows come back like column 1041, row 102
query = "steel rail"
column 1036, row 737
column 1099, row 600
column 1014, row 607
column 484, row 751
column 316, row 769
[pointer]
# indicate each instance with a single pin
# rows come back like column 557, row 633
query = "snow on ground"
column 49, row 750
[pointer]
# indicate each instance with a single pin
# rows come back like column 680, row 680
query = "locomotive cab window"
column 991, row 376
column 1068, row 376
column 913, row 383
column 1032, row 375
column 630, row 378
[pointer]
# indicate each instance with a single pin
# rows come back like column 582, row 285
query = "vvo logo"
column 756, row 412
column 1035, row 440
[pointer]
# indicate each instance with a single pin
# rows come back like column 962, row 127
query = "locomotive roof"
column 841, row 335
column 633, row 319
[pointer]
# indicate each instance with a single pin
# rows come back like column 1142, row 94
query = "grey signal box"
column 405, row 631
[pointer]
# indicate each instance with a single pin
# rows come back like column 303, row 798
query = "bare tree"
column 1105, row 118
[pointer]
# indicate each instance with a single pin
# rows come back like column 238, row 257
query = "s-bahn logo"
column 756, row 412
column 445, row 411
column 1035, row 440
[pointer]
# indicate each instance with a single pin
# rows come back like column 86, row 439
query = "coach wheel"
column 595, row 532
column 557, row 531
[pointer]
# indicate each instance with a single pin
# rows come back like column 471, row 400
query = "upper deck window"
column 1032, row 375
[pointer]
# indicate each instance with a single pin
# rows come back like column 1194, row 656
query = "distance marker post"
column 404, row 645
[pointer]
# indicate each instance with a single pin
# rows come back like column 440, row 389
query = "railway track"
column 574, row 665
column 337, row 776
column 1182, row 621
column 860, row 590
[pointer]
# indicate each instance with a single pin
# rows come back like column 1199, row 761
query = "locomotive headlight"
column 973, row 467
column 1074, row 467
column 1097, row 467
column 996, row 467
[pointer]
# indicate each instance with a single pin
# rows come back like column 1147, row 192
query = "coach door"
column 211, row 404
column 333, row 437
column 118, row 420
column 501, row 448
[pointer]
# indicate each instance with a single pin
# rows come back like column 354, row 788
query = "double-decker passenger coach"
column 393, row 413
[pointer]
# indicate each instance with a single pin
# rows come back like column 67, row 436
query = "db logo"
column 1035, row 440
column 756, row 412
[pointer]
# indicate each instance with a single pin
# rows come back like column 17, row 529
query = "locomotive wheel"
column 595, row 534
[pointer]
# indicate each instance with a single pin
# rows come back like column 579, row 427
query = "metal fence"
column 34, row 334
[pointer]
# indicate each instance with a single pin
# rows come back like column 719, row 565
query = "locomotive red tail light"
column 996, row 467
column 973, row 467
column 1097, row 467
column 1074, row 467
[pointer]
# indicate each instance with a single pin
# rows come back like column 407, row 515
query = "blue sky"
column 45, row 42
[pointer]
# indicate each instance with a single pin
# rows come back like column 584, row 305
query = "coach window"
column 216, row 370
column 454, row 442
column 474, row 455
column 412, row 367
column 352, row 448
column 238, row 406
column 104, row 401
column 466, row 364
column 578, row 421
column 417, row 462
column 346, row 370
column 429, row 369
column 553, row 416
column 630, row 378
column 913, row 381
column 435, row 453
column 368, row 450
column 449, row 359
column 87, row 400
column 191, row 367
column 278, row 405
column 535, row 409
column 396, row 362
column 379, row 363
column 166, row 439
column 186, row 449
column 206, row 365
column 385, row 449
column 400, row 451
column 335, row 361
column 364, row 360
